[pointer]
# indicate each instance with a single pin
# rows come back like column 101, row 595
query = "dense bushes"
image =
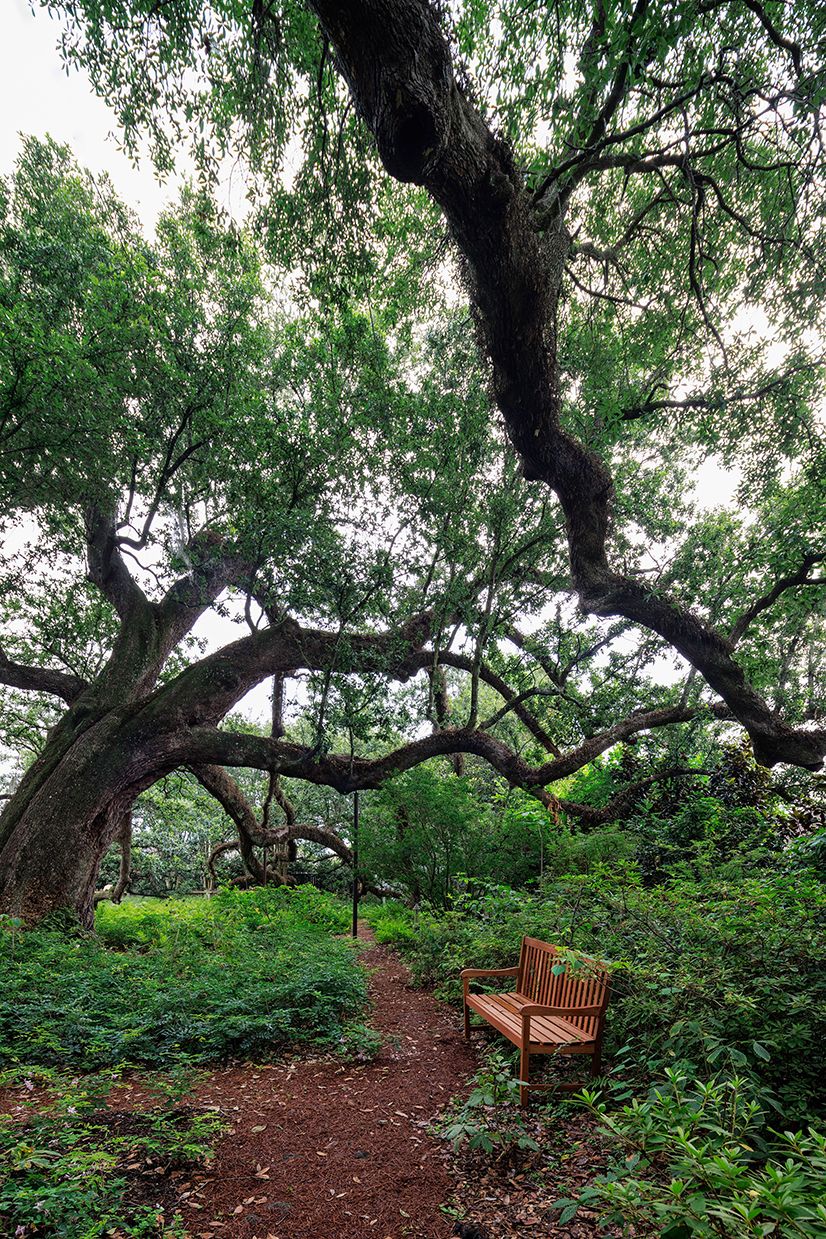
column 696, row 1159
column 194, row 980
column 702, row 971
column 164, row 984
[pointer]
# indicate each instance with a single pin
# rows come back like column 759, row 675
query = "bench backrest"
column 538, row 982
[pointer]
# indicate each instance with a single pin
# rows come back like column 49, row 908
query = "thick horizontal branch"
column 347, row 773
column 40, row 679
column 208, row 689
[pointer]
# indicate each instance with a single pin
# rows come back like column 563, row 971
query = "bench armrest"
column 527, row 1012
column 470, row 974
column 488, row 972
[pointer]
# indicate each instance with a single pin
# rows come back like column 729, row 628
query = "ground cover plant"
column 194, row 980
column 702, row 1158
column 74, row 1165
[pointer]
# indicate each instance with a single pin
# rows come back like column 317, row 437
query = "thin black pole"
column 355, row 864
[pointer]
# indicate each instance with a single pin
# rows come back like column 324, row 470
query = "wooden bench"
column 551, row 1010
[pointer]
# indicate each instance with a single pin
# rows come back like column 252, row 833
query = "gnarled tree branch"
column 396, row 61
column 40, row 679
column 784, row 583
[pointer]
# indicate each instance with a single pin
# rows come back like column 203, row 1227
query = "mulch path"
column 323, row 1151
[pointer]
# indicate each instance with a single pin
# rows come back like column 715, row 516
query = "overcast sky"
column 37, row 96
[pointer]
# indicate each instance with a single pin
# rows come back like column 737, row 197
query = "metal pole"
column 355, row 864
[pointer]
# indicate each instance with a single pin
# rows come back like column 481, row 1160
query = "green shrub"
column 241, row 975
column 489, row 1120
column 395, row 932
column 393, row 923
column 304, row 904
column 692, row 1161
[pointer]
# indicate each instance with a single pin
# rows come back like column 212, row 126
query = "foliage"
column 424, row 828
column 72, row 1165
column 693, row 1160
column 702, row 970
column 392, row 921
column 489, row 1119
column 191, row 980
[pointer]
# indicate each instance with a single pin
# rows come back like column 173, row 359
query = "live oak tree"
column 618, row 182
column 625, row 193
column 179, row 436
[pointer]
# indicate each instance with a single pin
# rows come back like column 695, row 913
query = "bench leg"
column 524, row 1076
column 467, row 1021
column 596, row 1062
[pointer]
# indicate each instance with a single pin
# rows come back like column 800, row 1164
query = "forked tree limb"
column 793, row 580
column 396, row 61
column 225, row 789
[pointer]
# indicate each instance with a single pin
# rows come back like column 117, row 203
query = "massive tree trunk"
column 56, row 830
column 108, row 747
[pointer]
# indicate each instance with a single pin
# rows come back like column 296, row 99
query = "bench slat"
column 584, row 1026
column 505, row 1016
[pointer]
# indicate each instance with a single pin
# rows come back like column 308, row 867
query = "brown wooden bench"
column 548, row 1012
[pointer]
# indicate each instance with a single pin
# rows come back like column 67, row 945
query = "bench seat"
column 548, row 1033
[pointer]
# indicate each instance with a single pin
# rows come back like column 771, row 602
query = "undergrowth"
column 696, row 1159
column 245, row 974
column 75, row 1166
column 165, row 984
column 703, row 971
column 715, row 1030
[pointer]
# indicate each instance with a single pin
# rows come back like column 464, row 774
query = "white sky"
column 37, row 97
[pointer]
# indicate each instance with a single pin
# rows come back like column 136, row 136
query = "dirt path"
column 320, row 1151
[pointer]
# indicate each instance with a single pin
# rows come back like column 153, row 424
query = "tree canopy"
column 436, row 428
